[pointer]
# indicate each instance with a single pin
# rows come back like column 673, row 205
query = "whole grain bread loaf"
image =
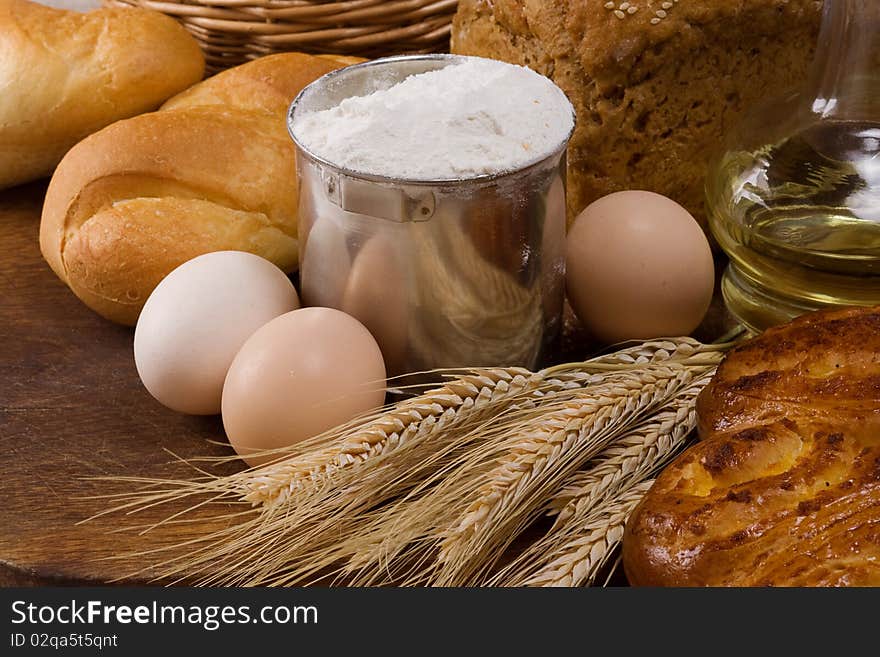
column 656, row 83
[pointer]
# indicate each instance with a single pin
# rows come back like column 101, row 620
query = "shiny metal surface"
column 447, row 273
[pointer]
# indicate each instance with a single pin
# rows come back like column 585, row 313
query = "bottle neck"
column 847, row 65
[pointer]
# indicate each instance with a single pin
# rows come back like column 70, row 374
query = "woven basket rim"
column 303, row 10
column 231, row 32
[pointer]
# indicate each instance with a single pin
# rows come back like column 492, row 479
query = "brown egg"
column 302, row 373
column 376, row 295
column 325, row 265
column 638, row 266
column 553, row 252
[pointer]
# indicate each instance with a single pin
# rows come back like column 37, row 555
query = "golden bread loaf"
column 64, row 75
column 784, row 488
column 213, row 170
column 655, row 84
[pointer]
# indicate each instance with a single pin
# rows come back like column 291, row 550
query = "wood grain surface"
column 72, row 409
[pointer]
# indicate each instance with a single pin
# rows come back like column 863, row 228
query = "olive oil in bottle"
column 794, row 200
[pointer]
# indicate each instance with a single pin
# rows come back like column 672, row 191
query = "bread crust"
column 653, row 96
column 64, row 75
column 784, row 487
column 214, row 169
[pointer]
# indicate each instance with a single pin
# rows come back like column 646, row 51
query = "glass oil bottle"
column 794, row 199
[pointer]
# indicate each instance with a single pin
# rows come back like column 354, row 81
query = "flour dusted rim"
column 326, row 82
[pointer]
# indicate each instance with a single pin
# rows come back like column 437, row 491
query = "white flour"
column 464, row 120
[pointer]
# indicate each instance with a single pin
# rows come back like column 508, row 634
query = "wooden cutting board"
column 72, row 409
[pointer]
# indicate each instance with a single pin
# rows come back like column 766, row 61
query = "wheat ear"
column 579, row 561
column 625, row 463
column 404, row 533
column 537, row 463
column 331, row 487
column 642, row 451
column 420, row 418
column 301, row 521
column 426, row 510
column 453, row 404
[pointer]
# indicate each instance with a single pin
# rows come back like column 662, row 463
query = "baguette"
column 65, row 75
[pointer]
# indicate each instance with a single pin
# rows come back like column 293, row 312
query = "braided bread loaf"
column 784, row 488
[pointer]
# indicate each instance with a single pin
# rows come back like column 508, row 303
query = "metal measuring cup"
column 445, row 273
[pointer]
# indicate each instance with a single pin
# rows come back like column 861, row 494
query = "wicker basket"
column 234, row 31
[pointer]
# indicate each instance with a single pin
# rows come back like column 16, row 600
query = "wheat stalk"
column 426, row 511
column 468, row 397
column 409, row 531
column 373, row 552
column 642, row 451
column 326, row 515
column 335, row 498
column 332, row 496
column 540, row 461
column 579, row 560
column 419, row 418
column 625, row 463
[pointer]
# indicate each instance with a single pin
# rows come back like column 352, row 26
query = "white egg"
column 197, row 319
